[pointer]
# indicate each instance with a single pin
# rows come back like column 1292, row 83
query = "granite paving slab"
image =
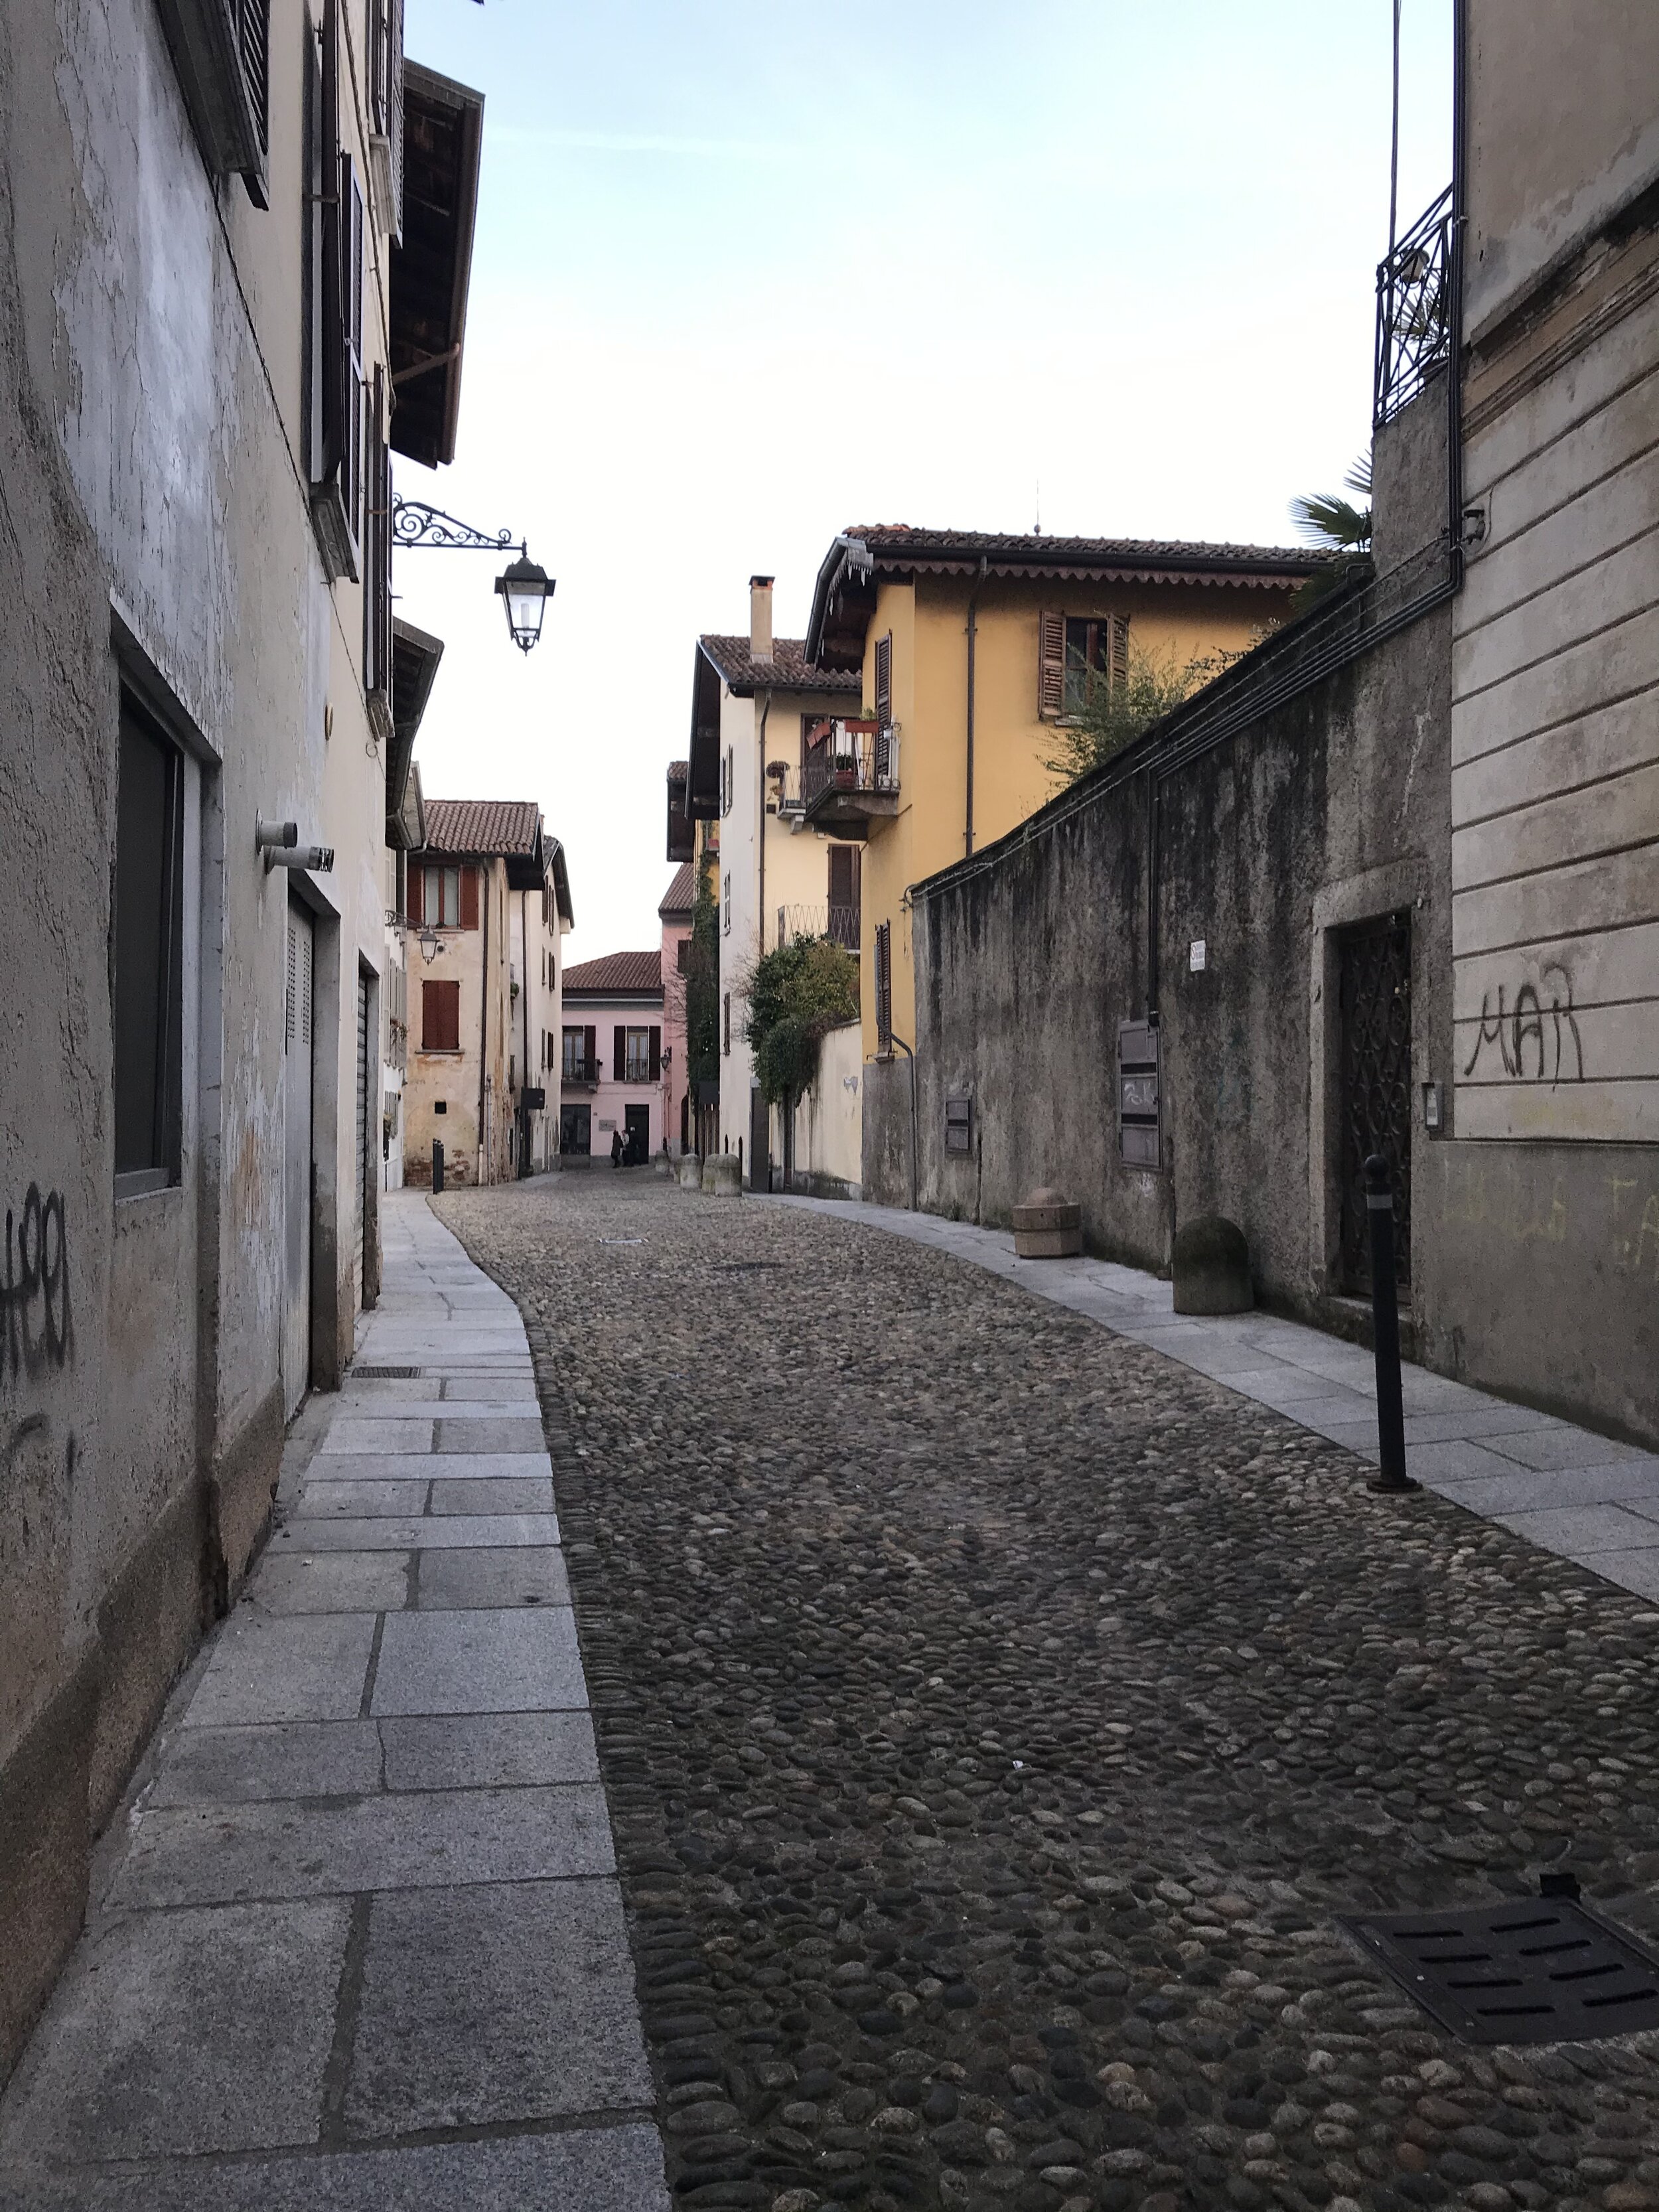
column 480, row 2005
column 313, row 1929
column 209, row 1855
column 497, row 1661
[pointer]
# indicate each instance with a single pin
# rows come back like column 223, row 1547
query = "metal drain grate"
column 1538, row 1971
column 383, row 1373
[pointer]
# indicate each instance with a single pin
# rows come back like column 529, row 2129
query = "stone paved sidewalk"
column 358, row 1942
column 995, row 1716
column 1581, row 1495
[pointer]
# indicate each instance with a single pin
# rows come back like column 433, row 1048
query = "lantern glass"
column 525, row 590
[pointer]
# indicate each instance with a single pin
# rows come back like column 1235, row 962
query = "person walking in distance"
column 616, row 1148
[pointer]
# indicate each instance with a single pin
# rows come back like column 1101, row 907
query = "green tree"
column 1335, row 526
column 1114, row 714
column 797, row 992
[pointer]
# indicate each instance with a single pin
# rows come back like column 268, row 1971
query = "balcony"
column 840, row 924
column 849, row 777
column 580, row 1075
column 1413, row 311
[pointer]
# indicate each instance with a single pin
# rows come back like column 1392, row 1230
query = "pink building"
column 611, row 1075
column 675, row 913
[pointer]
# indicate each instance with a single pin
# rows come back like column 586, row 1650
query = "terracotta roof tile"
column 788, row 670
column 616, row 971
column 482, row 826
column 682, row 893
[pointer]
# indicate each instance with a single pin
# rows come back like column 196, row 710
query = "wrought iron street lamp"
column 430, row 943
column 526, row 590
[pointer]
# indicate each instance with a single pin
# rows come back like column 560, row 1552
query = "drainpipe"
column 760, row 785
column 973, row 639
column 487, row 889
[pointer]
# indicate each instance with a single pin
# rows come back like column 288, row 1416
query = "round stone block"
column 727, row 1176
column 1047, row 1226
column 1212, row 1267
column 690, row 1172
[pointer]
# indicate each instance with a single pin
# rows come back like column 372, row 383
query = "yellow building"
column 973, row 648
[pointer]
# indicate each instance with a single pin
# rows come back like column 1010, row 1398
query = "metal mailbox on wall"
column 958, row 1125
column 1138, row 1117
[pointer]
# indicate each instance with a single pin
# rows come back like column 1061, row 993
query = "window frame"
column 164, row 1167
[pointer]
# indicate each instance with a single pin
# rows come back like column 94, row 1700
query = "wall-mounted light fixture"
column 525, row 588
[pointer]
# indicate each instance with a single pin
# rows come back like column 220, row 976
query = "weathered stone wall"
column 154, row 528
column 1527, row 1265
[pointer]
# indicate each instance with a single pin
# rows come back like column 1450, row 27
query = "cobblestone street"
column 994, row 1715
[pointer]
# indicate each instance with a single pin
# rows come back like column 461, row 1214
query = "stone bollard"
column 661, row 1166
column 727, row 1175
column 1210, row 1264
column 690, row 1172
column 1048, row 1226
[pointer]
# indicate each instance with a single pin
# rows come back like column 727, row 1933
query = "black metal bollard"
column 1385, row 1331
column 438, row 1166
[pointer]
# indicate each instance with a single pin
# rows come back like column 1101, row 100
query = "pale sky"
column 747, row 274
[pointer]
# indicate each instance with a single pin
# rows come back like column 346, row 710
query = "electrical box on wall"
column 1139, row 1125
column 959, row 1125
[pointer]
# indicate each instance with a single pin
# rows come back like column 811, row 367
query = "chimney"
column 760, row 617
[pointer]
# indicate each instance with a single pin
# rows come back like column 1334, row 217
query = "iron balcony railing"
column 849, row 757
column 783, row 787
column 840, row 924
column 1413, row 311
column 579, row 1074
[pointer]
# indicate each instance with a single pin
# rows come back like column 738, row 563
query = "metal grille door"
column 1374, row 999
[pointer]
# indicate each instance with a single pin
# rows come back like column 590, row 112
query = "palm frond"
column 1327, row 519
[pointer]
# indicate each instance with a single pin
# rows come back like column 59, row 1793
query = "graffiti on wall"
column 1536, row 1038
column 36, row 1331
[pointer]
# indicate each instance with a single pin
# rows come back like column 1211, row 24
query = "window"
column 440, row 1017
column 642, row 1055
column 726, row 1031
column 884, row 986
column 726, row 905
column 1078, row 655
column 682, row 956
column 386, row 112
column 579, row 1055
column 845, row 871
column 334, row 317
column 443, row 897
column 221, row 52
column 884, row 679
column 149, row 915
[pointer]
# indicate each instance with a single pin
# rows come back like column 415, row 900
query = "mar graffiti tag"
column 36, row 1329
column 1537, row 1042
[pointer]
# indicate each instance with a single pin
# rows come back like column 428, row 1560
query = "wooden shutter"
column 1119, row 651
column 469, row 898
column 619, row 1053
column 884, row 679
column 1051, row 664
column 841, row 877
column 377, row 550
column 884, row 986
column 440, row 1017
column 395, row 114
column 656, row 1054
column 416, row 893
column 330, row 352
column 252, row 23
column 351, row 329
column 590, row 1050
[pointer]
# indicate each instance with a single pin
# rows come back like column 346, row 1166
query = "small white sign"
column 1198, row 955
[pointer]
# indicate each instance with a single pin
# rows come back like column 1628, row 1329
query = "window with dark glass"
column 1097, row 654
column 148, row 914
